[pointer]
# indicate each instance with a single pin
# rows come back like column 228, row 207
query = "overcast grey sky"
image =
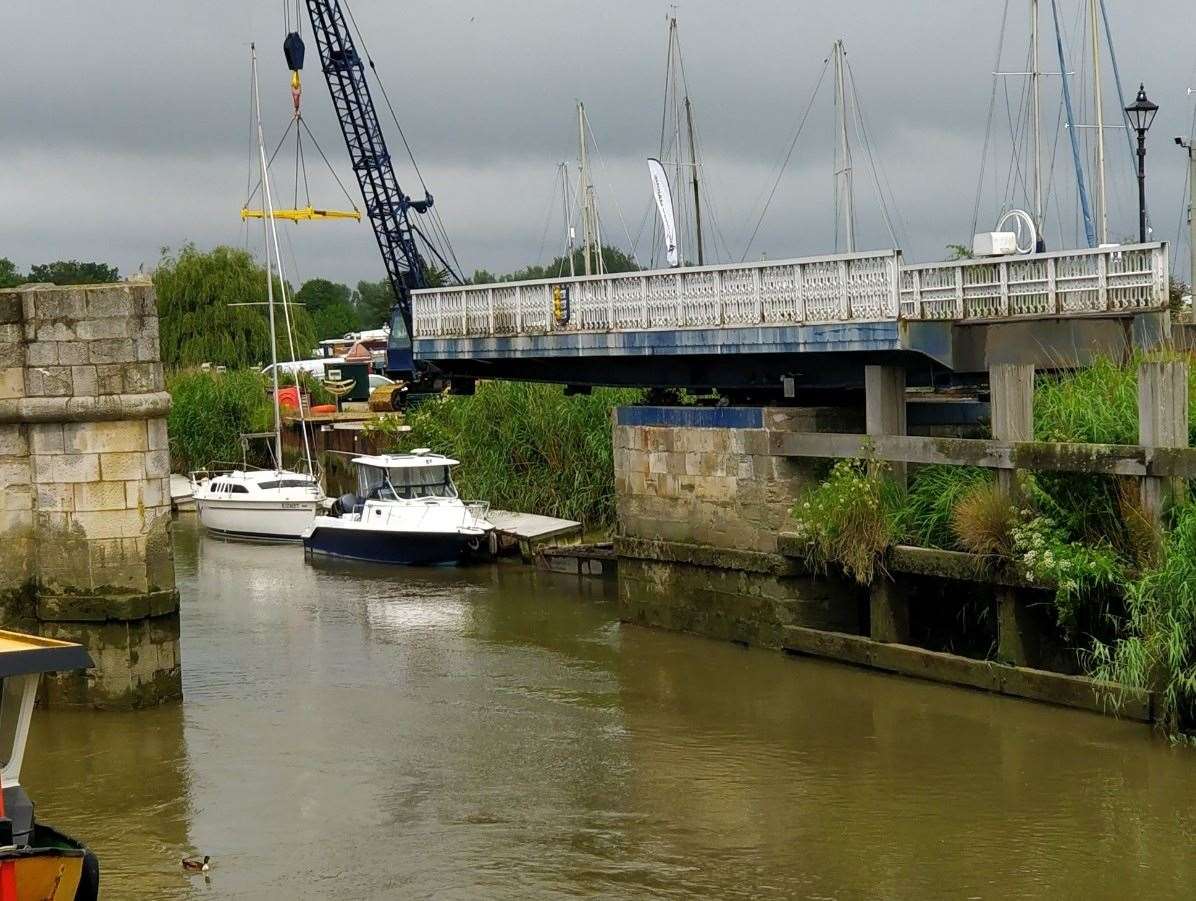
column 126, row 124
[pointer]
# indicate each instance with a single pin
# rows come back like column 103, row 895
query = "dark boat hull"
column 397, row 548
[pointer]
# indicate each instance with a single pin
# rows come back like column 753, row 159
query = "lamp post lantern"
column 1141, row 114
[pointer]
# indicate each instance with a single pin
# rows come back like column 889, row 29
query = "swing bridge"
column 813, row 321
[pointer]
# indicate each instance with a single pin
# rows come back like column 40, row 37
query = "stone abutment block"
column 85, row 544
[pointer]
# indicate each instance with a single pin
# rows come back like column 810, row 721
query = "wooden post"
column 1162, row 422
column 1011, row 402
column 884, row 405
column 1011, row 399
column 889, row 612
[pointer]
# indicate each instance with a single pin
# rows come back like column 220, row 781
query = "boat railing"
column 477, row 509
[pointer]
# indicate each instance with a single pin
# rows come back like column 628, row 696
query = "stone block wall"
column 85, row 547
column 700, row 501
column 705, row 475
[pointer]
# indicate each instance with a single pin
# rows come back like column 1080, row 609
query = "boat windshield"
column 404, row 483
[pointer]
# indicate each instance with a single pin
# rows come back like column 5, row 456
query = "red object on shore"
column 289, row 397
column 324, row 408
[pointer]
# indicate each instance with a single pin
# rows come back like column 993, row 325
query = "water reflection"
column 356, row 732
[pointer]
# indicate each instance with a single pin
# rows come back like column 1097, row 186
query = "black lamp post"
column 1141, row 114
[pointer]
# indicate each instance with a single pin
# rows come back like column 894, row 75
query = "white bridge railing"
column 846, row 288
column 859, row 287
column 1127, row 279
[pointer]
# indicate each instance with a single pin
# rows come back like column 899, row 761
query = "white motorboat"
column 406, row 511
column 257, row 503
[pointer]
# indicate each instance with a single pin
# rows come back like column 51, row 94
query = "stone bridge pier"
column 85, row 544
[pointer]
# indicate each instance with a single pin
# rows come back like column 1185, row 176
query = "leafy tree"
column 331, row 305
column 9, row 276
column 374, row 302
column 613, row 259
column 958, row 252
column 73, row 272
column 334, row 320
column 199, row 324
column 318, row 293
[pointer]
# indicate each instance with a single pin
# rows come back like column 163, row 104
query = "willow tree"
column 200, row 320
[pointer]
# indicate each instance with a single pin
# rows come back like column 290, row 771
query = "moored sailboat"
column 245, row 501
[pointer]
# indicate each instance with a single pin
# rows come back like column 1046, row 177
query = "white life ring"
column 1023, row 228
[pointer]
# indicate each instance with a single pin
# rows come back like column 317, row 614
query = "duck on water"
column 406, row 511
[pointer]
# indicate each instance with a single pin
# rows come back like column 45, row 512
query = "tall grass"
column 209, row 412
column 933, row 495
column 1157, row 649
column 527, row 447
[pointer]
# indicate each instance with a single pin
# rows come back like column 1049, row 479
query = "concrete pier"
column 85, row 545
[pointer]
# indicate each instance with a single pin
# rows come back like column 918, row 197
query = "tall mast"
column 846, row 191
column 678, row 198
column 1094, row 27
column 1035, row 80
column 568, row 218
column 584, row 182
column 266, row 220
column 693, row 162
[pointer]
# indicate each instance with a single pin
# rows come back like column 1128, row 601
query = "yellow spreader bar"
column 303, row 214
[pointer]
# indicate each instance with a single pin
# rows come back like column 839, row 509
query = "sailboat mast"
column 564, row 167
column 261, row 148
column 843, row 175
column 693, row 162
column 1035, row 81
column 1094, row 27
column 586, row 188
column 678, row 161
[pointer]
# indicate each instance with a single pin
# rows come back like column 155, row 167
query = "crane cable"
column 437, row 221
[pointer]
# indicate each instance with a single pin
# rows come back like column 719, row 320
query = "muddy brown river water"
column 495, row 733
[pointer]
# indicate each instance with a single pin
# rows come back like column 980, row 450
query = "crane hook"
column 292, row 49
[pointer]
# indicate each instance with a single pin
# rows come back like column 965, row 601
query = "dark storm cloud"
column 126, row 124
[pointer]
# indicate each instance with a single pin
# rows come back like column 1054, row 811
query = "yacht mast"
column 266, row 220
column 589, row 216
column 693, row 162
column 846, row 191
column 1035, row 79
column 1094, row 27
column 569, row 233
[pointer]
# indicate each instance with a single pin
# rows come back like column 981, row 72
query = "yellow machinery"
column 303, row 214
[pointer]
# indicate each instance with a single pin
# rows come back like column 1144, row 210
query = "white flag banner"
column 664, row 203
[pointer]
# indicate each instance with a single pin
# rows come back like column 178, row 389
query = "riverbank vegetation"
column 210, row 411
column 1123, row 592
column 523, row 446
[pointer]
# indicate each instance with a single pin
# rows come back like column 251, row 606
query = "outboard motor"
column 346, row 503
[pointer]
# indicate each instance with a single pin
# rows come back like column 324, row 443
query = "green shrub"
column 851, row 518
column 210, row 411
column 526, row 447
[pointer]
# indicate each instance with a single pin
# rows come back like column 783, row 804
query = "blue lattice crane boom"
column 389, row 209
